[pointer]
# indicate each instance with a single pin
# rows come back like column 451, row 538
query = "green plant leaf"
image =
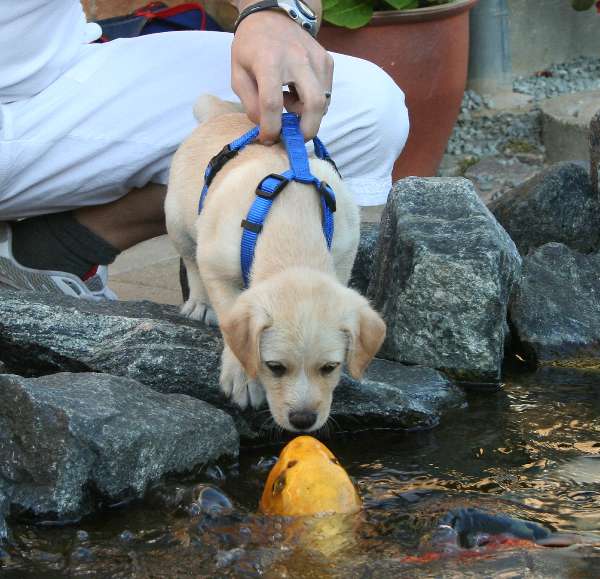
column 582, row 5
column 403, row 4
column 348, row 13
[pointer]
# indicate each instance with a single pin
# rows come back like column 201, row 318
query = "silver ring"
column 327, row 94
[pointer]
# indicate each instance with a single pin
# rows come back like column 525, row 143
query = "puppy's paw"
column 237, row 386
column 256, row 394
column 200, row 311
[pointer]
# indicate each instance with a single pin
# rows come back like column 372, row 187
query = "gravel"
column 482, row 131
column 491, row 134
column 581, row 73
column 473, row 101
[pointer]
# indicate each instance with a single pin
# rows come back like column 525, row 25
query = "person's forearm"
column 316, row 5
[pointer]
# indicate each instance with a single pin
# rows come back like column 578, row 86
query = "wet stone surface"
column 555, row 310
column 391, row 393
column 525, row 452
column 442, row 278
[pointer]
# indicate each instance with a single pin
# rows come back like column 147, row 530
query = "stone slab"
column 155, row 345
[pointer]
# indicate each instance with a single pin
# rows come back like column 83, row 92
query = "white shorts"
column 114, row 119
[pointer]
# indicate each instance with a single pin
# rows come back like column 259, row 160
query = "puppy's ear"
column 367, row 332
column 241, row 329
column 208, row 107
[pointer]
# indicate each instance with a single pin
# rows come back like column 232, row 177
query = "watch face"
column 306, row 10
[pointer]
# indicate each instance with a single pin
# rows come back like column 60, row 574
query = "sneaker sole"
column 22, row 278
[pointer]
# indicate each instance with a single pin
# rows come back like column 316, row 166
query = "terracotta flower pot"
column 426, row 52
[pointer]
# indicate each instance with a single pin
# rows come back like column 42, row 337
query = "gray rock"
column 558, row 205
column 391, row 394
column 365, row 257
column 442, row 278
column 555, row 310
column 71, row 439
column 155, row 345
column 151, row 343
column 3, row 512
column 595, row 151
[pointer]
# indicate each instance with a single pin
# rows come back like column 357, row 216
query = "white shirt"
column 39, row 40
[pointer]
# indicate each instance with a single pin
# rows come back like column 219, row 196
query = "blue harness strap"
column 218, row 161
column 268, row 189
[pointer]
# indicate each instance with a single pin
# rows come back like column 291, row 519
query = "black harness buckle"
column 326, row 192
column 250, row 226
column 282, row 182
column 217, row 163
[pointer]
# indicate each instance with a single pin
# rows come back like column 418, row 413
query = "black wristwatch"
column 297, row 10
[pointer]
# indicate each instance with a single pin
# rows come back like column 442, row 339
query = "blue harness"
column 273, row 184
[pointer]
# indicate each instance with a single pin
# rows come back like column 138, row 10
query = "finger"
column 314, row 103
column 323, row 66
column 325, row 71
column 244, row 86
column 270, row 103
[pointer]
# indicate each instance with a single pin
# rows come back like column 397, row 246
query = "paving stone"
column 565, row 125
column 494, row 176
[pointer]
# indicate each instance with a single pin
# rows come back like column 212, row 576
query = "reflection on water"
column 531, row 450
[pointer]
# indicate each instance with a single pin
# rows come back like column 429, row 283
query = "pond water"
column 530, row 450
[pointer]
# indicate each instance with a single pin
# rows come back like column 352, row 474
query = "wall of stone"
column 543, row 32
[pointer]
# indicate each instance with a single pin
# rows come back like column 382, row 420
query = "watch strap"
column 262, row 5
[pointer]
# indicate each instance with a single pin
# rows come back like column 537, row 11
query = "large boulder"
column 555, row 310
column 558, row 205
column 442, row 279
column 155, row 345
column 69, row 440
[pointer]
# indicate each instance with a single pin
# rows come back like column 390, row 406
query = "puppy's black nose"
column 302, row 420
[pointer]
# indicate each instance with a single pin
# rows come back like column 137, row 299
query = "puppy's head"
column 293, row 333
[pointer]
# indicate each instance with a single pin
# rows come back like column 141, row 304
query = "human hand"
column 268, row 52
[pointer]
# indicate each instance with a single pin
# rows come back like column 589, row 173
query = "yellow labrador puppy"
column 288, row 334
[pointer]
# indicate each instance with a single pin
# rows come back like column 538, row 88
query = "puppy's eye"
column 329, row 368
column 276, row 368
